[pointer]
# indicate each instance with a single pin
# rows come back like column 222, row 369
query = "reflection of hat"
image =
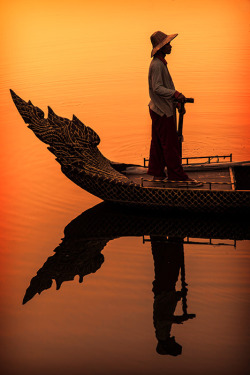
column 159, row 39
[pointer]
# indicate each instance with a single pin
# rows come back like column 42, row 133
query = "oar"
column 180, row 124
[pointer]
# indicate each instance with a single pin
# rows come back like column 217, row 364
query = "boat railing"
column 210, row 159
column 189, row 241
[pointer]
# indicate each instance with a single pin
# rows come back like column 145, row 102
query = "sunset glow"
column 91, row 59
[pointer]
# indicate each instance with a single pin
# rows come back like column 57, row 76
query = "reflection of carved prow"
column 72, row 257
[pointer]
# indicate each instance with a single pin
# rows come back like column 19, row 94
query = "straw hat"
column 159, row 39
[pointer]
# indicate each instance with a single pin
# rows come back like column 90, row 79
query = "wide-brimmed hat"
column 159, row 39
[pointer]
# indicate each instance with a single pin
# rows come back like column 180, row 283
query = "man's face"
column 166, row 49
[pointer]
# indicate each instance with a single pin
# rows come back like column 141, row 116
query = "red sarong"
column 164, row 150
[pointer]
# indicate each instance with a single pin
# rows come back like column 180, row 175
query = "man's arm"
column 158, row 86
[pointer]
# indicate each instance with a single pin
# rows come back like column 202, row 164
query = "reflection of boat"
column 87, row 235
column 75, row 148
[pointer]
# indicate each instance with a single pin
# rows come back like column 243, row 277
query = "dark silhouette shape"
column 72, row 257
column 86, row 236
column 168, row 257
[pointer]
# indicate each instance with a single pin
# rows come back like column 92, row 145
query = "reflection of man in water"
column 168, row 258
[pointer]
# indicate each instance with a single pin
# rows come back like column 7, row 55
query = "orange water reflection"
column 111, row 313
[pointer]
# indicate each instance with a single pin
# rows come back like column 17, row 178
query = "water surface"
column 105, row 324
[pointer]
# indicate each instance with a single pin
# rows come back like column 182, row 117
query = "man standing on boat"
column 164, row 150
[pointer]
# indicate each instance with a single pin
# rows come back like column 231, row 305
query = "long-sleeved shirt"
column 161, row 88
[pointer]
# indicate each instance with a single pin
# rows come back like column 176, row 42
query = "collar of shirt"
column 162, row 59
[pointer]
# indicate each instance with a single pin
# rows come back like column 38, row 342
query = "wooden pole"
column 180, row 124
column 180, row 127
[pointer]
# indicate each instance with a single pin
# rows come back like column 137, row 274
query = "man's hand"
column 179, row 97
column 182, row 111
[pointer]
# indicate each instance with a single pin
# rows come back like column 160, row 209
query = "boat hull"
column 197, row 200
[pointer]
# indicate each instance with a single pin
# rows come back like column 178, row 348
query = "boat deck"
column 219, row 179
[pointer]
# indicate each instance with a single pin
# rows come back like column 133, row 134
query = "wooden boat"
column 226, row 186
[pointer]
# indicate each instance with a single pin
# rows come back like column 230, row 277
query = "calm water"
column 105, row 324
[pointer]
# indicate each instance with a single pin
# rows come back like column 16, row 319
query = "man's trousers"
column 164, row 150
